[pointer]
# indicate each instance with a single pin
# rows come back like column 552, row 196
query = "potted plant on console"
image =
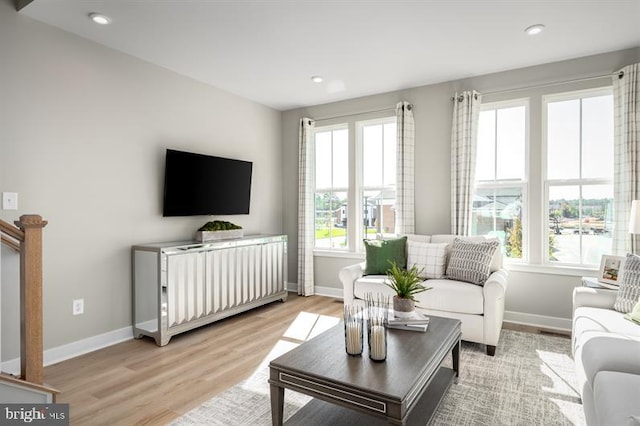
column 219, row 230
column 406, row 283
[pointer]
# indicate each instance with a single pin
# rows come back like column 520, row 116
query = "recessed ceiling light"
column 534, row 29
column 99, row 18
column 317, row 79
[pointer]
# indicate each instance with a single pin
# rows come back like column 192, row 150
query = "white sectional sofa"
column 606, row 349
column 479, row 307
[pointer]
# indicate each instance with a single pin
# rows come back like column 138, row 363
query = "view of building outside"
column 580, row 177
column 500, row 176
column 331, row 187
column 578, row 183
column 378, row 177
column 376, row 185
column 580, row 228
column 498, row 213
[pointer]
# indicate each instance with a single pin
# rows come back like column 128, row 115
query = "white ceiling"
column 267, row 50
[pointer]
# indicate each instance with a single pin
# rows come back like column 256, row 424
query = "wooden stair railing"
column 26, row 237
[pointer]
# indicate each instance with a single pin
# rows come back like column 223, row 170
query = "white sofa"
column 606, row 350
column 480, row 308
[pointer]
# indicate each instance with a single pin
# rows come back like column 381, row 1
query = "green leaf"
column 405, row 282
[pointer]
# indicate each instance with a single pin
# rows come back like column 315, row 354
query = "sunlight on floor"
column 308, row 325
column 572, row 411
column 305, row 327
column 560, row 370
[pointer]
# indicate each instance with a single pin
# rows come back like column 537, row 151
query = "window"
column 378, row 186
column 354, row 197
column 499, row 199
column 331, row 187
column 579, row 176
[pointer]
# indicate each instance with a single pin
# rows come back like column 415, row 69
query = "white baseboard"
column 319, row 290
column 74, row 349
column 292, row 287
column 552, row 323
column 328, row 291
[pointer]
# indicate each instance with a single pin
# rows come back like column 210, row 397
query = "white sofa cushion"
column 445, row 295
column 610, row 352
column 373, row 284
column 616, row 397
column 429, row 258
column 452, row 296
column 592, row 322
column 417, row 237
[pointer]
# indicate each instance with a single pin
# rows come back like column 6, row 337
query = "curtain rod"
column 355, row 113
column 620, row 74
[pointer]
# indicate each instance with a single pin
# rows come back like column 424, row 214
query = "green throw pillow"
column 380, row 252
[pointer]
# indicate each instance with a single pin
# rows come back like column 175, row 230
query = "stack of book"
column 416, row 322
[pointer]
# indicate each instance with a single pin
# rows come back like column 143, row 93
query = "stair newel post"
column 31, row 346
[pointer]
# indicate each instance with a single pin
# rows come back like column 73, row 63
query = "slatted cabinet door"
column 239, row 275
column 185, row 288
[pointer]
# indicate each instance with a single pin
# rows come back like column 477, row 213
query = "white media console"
column 182, row 285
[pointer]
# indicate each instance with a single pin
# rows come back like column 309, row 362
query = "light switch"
column 10, row 201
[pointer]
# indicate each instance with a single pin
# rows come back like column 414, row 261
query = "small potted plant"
column 406, row 283
column 218, row 230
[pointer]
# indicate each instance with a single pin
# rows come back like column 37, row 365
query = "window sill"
column 552, row 270
column 339, row 254
column 515, row 267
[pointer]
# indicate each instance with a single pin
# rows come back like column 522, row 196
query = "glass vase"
column 353, row 330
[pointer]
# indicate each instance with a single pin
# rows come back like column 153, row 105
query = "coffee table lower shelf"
column 321, row 413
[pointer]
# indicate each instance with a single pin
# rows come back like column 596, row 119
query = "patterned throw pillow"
column 629, row 280
column 429, row 258
column 471, row 262
column 379, row 254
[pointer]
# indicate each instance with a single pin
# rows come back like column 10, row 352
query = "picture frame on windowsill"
column 609, row 269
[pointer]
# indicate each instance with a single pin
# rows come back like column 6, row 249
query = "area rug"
column 530, row 380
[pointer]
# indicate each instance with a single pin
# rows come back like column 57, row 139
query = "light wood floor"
column 137, row 382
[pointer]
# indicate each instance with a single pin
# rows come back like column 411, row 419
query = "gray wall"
column 535, row 294
column 83, row 131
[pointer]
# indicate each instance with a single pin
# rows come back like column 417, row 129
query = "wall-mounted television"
column 198, row 184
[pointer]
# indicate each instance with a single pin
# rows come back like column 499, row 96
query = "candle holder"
column 377, row 314
column 353, row 330
column 378, row 306
column 377, row 337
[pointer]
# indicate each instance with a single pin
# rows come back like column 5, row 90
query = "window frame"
column 354, row 247
column 523, row 183
column 332, row 189
column 579, row 182
column 359, row 171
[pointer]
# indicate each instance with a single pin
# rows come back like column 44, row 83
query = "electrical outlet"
column 10, row 201
column 78, row 307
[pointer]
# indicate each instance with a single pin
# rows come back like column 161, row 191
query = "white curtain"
column 306, row 210
column 405, row 198
column 626, row 99
column 464, row 130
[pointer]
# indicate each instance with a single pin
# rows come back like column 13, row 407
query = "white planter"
column 203, row 236
column 403, row 308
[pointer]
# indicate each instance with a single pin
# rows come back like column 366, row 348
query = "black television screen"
column 197, row 184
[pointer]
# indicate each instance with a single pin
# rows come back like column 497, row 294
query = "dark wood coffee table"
column 405, row 389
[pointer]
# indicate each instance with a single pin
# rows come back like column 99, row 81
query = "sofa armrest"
column 494, row 291
column 348, row 275
column 593, row 297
